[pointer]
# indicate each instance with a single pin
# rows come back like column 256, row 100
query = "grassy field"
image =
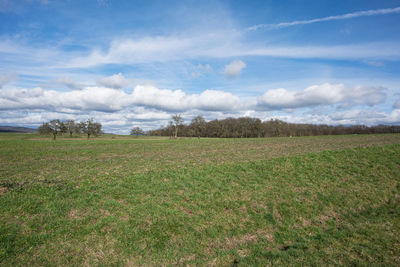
column 120, row 200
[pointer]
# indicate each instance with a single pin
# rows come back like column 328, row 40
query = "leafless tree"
column 253, row 127
column 177, row 121
column 55, row 126
column 91, row 128
column 70, row 125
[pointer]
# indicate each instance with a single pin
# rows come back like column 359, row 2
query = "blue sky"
column 134, row 63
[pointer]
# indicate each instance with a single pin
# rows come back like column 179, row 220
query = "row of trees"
column 253, row 127
column 57, row 127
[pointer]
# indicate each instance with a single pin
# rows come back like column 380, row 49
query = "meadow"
column 151, row 201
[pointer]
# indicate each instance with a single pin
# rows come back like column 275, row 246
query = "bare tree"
column 177, row 122
column 70, row 125
column 62, row 128
column 80, row 127
column 44, row 129
column 54, row 127
column 91, row 128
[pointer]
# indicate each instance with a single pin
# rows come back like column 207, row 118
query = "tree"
column 80, row 127
column 253, row 127
column 54, row 126
column 62, row 127
column 44, row 129
column 70, row 125
column 198, row 126
column 91, row 128
column 177, row 122
column 137, row 131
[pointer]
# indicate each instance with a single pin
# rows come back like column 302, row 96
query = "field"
column 151, row 201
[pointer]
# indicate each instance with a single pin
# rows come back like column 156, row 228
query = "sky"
column 136, row 63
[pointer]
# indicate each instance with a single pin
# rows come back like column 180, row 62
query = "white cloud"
column 396, row 104
column 216, row 100
column 372, row 12
column 89, row 98
column 161, row 49
column 234, row 68
column 172, row 48
column 68, row 82
column 324, row 94
column 200, row 70
column 152, row 107
column 159, row 98
column 368, row 51
column 374, row 63
column 111, row 100
column 367, row 117
column 116, row 81
column 6, row 78
column 351, row 117
column 96, row 98
column 177, row 100
column 50, row 62
column 357, row 115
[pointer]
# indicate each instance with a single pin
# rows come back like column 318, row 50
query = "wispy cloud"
column 6, row 78
column 171, row 48
column 372, row 12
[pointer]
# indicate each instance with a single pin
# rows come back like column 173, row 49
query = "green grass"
column 330, row 200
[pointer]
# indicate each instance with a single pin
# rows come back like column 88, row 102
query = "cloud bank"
column 152, row 107
column 324, row 94
column 105, row 99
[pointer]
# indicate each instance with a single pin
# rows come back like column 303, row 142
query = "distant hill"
column 14, row 129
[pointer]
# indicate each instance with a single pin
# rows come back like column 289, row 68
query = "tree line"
column 57, row 127
column 253, row 127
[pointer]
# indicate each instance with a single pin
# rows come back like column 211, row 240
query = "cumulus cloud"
column 89, row 98
column 322, row 94
column 177, row 100
column 110, row 100
column 234, row 68
column 106, row 99
column 152, row 107
column 116, row 81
